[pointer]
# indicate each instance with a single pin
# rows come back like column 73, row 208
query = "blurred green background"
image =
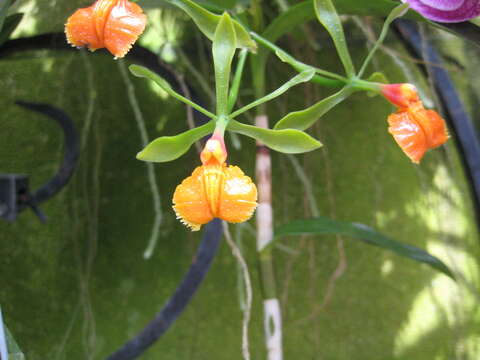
column 78, row 286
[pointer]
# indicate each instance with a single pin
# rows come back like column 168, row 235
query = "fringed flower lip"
column 446, row 11
column 215, row 190
column 415, row 129
column 111, row 24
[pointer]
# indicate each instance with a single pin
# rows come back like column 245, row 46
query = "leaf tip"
column 135, row 70
column 141, row 156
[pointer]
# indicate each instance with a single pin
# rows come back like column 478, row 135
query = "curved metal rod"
column 71, row 151
column 208, row 247
column 179, row 300
column 460, row 121
column 141, row 55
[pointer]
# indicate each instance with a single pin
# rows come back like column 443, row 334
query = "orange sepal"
column 80, row 30
column 408, row 134
column 434, row 126
column 124, row 25
column 417, row 130
column 114, row 24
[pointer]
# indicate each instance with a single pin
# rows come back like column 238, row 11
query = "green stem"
column 232, row 97
column 299, row 78
column 395, row 13
column 298, row 65
column 267, row 272
column 221, row 124
column 283, row 5
column 364, row 85
column 141, row 71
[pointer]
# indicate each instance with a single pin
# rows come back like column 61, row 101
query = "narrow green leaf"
column 237, row 79
column 14, row 352
column 3, row 339
column 297, row 65
column 141, row 71
column 3, row 11
column 324, row 225
column 223, row 48
column 397, row 12
column 9, row 26
column 303, row 119
column 168, row 148
column 287, row 141
column 304, row 76
column 207, row 23
column 328, row 17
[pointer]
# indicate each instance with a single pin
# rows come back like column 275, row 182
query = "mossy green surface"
column 78, row 287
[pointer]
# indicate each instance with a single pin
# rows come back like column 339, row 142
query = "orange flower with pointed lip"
column 111, row 24
column 215, row 190
column 415, row 129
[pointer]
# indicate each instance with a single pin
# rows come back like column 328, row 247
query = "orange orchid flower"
column 414, row 128
column 111, row 24
column 215, row 190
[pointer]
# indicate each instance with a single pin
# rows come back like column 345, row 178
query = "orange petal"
column 213, row 178
column 238, row 200
column 190, row 203
column 124, row 25
column 114, row 24
column 101, row 13
column 434, row 127
column 408, row 134
column 80, row 29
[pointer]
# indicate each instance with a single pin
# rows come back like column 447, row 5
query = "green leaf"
column 336, row 81
column 328, row 17
column 207, row 22
column 237, row 79
column 397, row 12
column 324, row 225
column 141, row 71
column 3, row 11
column 304, row 76
column 168, row 148
column 14, row 352
column 303, row 119
column 223, row 48
column 287, row 141
column 9, row 25
column 378, row 77
column 8, row 345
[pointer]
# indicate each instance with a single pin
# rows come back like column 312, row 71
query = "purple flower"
column 446, row 10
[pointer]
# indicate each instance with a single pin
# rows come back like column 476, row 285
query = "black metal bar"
column 70, row 157
column 179, row 300
column 458, row 118
column 213, row 231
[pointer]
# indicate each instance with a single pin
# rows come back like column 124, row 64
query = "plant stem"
column 248, row 289
column 298, row 65
column 152, row 179
column 232, row 97
column 264, row 214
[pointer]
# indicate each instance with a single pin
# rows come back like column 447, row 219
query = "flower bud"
column 401, row 95
column 214, row 151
